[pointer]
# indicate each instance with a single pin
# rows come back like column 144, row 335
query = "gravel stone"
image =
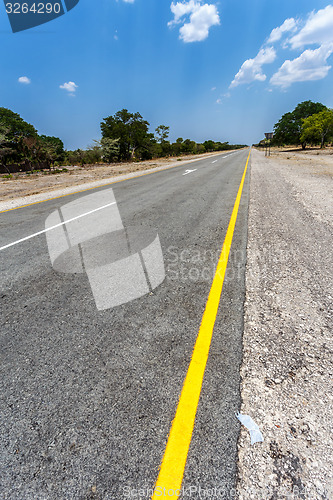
column 287, row 362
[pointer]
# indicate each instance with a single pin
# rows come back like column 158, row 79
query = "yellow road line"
column 170, row 478
column 103, row 185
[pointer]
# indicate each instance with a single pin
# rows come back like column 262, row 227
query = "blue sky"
column 208, row 69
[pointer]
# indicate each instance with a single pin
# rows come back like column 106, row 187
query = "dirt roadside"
column 288, row 363
column 26, row 188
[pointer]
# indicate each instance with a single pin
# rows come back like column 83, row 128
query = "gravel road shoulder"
column 287, row 365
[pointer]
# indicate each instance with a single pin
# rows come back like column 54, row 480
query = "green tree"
column 5, row 149
column 288, row 129
column 209, row 146
column 94, row 153
column 15, row 132
column 318, row 127
column 71, row 158
column 145, row 148
column 166, row 148
column 76, row 157
column 176, row 148
column 15, row 125
column 201, row 149
column 110, row 149
column 162, row 133
column 53, row 147
column 189, row 146
column 131, row 130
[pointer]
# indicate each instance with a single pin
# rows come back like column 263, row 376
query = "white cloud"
column 311, row 65
column 277, row 33
column 70, row 87
column 318, row 29
column 251, row 69
column 128, row 1
column 180, row 9
column 24, row 79
column 201, row 18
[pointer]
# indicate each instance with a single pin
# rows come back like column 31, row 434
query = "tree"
column 54, row 147
column 15, row 131
column 189, row 146
column 5, row 150
column 223, row 146
column 110, row 149
column 318, row 127
column 166, row 148
column 201, row 148
column 15, row 125
column 37, row 151
column 94, row 153
column 209, row 145
column 162, row 133
column 288, row 129
column 176, row 148
column 131, row 131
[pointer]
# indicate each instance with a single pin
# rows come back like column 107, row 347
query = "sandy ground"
column 288, row 364
column 23, row 188
column 311, row 178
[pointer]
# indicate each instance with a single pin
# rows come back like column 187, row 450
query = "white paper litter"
column 252, row 427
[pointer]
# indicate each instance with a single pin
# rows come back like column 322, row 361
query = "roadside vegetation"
column 309, row 124
column 126, row 137
column 22, row 148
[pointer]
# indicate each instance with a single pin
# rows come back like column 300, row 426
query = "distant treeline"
column 125, row 137
column 310, row 123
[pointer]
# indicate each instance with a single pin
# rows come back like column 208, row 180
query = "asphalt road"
column 88, row 395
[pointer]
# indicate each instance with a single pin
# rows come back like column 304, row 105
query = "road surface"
column 88, row 396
